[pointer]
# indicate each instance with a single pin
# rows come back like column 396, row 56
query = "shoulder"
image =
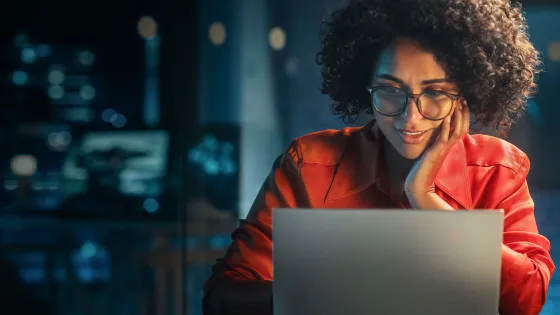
column 484, row 151
column 322, row 147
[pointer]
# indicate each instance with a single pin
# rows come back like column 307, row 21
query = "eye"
column 391, row 90
column 434, row 93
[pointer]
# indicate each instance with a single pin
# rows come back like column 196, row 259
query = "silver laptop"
column 393, row 262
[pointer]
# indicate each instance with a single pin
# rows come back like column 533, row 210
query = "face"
column 406, row 66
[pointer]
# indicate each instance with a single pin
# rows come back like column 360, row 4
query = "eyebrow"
column 401, row 82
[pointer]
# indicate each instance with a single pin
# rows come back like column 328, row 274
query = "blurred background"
column 134, row 136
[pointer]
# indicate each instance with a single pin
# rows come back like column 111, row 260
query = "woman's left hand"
column 420, row 181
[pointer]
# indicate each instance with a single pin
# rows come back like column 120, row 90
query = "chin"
column 410, row 153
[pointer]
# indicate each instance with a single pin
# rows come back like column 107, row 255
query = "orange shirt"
column 344, row 169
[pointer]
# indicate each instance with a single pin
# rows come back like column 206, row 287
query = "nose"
column 411, row 113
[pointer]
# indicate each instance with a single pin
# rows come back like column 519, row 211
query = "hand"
column 420, row 180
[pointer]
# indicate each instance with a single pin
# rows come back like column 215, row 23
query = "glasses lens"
column 435, row 105
column 388, row 100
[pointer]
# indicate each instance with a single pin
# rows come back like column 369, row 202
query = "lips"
column 412, row 136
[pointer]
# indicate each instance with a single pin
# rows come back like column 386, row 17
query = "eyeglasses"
column 432, row 104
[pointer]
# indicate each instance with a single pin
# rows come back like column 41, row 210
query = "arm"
column 241, row 282
column 526, row 263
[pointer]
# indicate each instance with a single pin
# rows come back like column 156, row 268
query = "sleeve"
column 241, row 282
column 526, row 262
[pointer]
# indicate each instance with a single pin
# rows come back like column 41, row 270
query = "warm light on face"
column 407, row 66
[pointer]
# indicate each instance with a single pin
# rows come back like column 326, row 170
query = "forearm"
column 524, row 282
column 226, row 295
column 429, row 201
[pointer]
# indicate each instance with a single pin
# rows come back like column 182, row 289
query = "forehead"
column 407, row 60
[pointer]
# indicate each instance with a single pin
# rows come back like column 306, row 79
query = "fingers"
column 457, row 123
column 466, row 119
column 445, row 130
column 460, row 120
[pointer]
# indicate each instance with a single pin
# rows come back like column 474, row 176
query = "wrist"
column 428, row 201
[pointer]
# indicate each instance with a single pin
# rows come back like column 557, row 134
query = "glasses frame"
column 415, row 97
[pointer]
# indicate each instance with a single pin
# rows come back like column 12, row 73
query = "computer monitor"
column 134, row 163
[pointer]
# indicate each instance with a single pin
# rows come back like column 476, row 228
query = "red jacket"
column 343, row 169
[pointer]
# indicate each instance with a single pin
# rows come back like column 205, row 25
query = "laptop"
column 386, row 262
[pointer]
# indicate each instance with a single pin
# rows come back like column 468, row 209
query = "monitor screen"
column 133, row 163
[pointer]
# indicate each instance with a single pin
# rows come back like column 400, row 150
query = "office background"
column 135, row 134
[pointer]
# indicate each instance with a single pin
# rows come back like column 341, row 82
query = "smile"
column 412, row 136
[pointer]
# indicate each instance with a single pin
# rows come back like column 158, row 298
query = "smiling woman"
column 421, row 67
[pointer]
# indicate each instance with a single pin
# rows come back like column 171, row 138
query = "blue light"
column 196, row 156
column 534, row 112
column 107, row 114
column 55, row 92
column 227, row 148
column 86, row 58
column 43, row 50
column 28, row 55
column 87, row 92
column 56, row 77
column 88, row 250
column 85, row 274
column 154, row 41
column 213, row 156
column 212, row 167
column 118, row 121
column 19, row 77
column 151, row 205
column 210, row 143
column 228, row 167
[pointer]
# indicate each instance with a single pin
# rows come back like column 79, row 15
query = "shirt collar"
column 358, row 168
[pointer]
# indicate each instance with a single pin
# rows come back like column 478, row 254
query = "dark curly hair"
column 482, row 45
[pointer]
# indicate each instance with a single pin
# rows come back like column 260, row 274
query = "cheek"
column 385, row 123
column 436, row 130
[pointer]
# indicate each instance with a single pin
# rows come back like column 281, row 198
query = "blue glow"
column 55, row 92
column 154, row 41
column 151, row 205
column 118, row 120
column 43, row 50
column 87, row 92
column 20, row 77
column 85, row 274
column 88, row 250
column 228, row 167
column 151, row 85
column 107, row 114
column 56, row 77
column 212, row 167
column 86, row 58
column 534, row 112
column 28, row 55
column 213, row 156
column 210, row 143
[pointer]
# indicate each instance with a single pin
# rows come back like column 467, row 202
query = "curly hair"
column 481, row 44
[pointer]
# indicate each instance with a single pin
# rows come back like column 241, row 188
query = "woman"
column 421, row 67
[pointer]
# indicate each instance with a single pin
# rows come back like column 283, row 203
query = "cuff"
column 510, row 259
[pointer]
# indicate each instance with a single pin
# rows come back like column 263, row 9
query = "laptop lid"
column 334, row 262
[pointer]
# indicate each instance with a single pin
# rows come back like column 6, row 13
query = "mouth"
column 412, row 136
